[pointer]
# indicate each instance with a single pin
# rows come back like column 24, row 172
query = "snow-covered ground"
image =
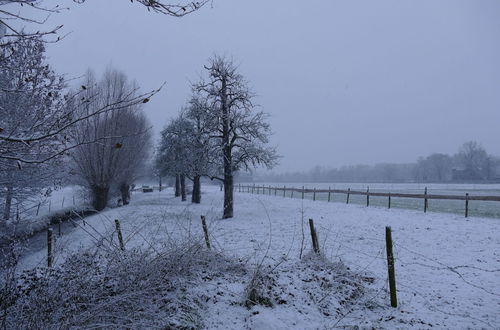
column 447, row 267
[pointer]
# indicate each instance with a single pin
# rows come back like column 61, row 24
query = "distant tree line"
column 470, row 164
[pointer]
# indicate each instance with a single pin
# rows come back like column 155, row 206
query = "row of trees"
column 41, row 122
column 218, row 133
column 471, row 163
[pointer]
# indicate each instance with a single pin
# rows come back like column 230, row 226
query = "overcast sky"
column 345, row 82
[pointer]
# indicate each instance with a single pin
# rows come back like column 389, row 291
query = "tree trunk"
column 125, row 192
column 196, row 196
column 100, row 197
column 227, row 154
column 228, row 196
column 183, row 187
column 8, row 203
column 177, row 185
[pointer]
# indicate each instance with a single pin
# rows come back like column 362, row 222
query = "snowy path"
column 447, row 267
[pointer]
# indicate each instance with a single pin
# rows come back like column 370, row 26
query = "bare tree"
column 30, row 96
column 474, row 160
column 135, row 150
column 121, row 134
column 173, row 152
column 239, row 132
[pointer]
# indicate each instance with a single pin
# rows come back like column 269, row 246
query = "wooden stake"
column 348, row 193
column 329, row 191
column 120, row 237
column 466, row 205
column 314, row 194
column 284, row 191
column 389, row 206
column 314, row 236
column 367, row 196
column 49, row 248
column 205, row 231
column 390, row 267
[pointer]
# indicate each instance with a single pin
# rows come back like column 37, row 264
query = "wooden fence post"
column 389, row 205
column 367, row 196
column 466, row 205
column 314, row 236
column 49, row 248
column 284, row 191
column 425, row 200
column 348, row 193
column 329, row 193
column 205, row 231
column 314, row 194
column 120, row 237
column 302, row 192
column 390, row 267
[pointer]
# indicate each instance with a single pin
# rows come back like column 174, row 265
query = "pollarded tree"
column 121, row 133
column 240, row 133
column 135, row 150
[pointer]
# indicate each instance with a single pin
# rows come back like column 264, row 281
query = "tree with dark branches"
column 238, row 131
column 13, row 13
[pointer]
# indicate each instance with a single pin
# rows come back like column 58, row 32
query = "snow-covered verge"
column 447, row 267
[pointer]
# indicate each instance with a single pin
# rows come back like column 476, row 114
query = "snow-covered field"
column 476, row 208
column 447, row 267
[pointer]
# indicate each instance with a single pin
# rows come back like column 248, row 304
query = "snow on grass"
column 447, row 267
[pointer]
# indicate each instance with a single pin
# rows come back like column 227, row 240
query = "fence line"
column 425, row 196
